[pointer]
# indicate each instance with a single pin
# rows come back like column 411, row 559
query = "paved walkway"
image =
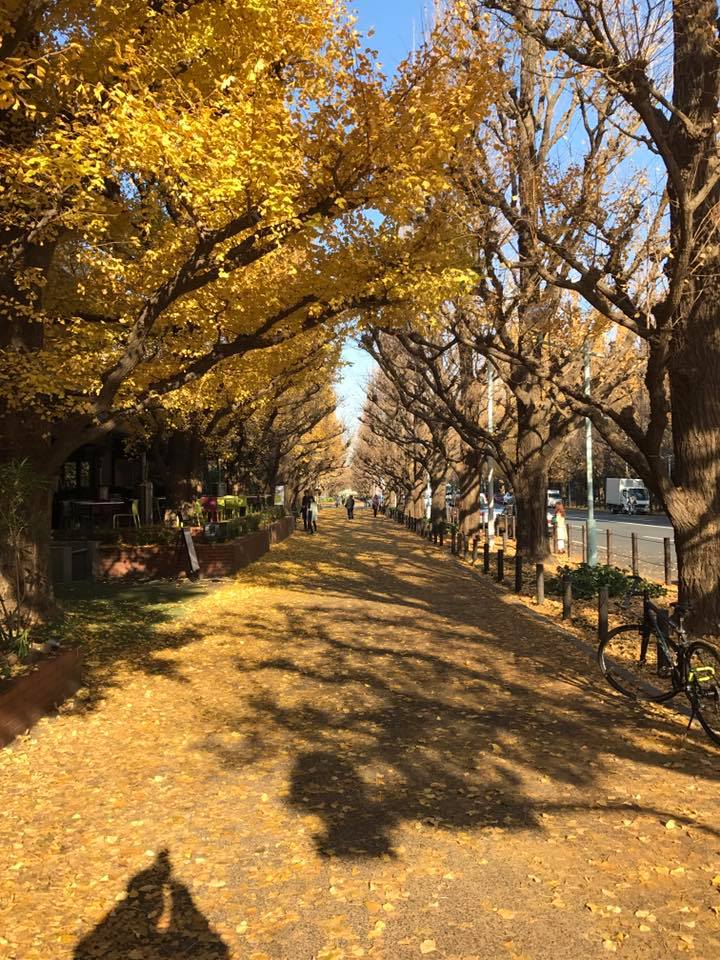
column 357, row 749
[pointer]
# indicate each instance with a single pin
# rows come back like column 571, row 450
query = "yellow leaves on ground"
column 297, row 763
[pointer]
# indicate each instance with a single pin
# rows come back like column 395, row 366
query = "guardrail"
column 653, row 557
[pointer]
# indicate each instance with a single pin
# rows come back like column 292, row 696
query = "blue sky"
column 392, row 21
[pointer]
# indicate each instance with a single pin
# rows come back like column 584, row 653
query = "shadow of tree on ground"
column 434, row 700
column 118, row 624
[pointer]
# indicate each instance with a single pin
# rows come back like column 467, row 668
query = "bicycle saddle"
column 681, row 609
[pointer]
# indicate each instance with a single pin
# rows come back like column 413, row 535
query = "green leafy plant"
column 587, row 581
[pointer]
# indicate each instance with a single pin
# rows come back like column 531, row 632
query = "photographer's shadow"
column 157, row 920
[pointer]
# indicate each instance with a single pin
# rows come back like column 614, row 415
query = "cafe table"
column 101, row 508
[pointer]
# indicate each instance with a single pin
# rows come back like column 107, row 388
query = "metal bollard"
column 634, row 546
column 500, row 565
column 486, row 557
column 518, row 572
column 602, row 613
column 567, row 596
column 668, row 560
column 540, row 583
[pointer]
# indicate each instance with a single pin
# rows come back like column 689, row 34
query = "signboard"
column 188, row 548
column 280, row 496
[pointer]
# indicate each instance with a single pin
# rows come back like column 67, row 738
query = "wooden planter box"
column 216, row 559
column 29, row 698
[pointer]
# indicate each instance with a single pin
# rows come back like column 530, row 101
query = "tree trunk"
column 25, row 439
column 531, row 482
column 470, row 512
column 437, row 502
column 418, row 499
column 693, row 500
column 177, row 460
column 535, row 451
column 693, row 503
column 25, row 580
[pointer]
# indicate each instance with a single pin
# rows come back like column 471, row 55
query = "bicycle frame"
column 652, row 616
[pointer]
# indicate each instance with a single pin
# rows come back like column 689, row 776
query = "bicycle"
column 655, row 660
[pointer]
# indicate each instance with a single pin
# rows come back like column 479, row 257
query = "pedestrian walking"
column 304, row 510
column 312, row 514
column 560, row 525
column 350, row 506
column 375, row 505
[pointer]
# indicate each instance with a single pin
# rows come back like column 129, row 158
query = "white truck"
column 553, row 496
column 626, row 495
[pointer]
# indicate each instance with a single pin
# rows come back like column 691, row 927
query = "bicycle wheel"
column 703, row 687
column 640, row 677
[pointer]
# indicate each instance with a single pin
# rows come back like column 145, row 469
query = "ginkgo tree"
column 183, row 182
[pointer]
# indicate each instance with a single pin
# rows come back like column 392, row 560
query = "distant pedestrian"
column 350, row 506
column 375, row 505
column 312, row 514
column 560, row 525
column 304, row 510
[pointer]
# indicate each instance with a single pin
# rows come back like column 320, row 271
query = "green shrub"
column 586, row 582
column 155, row 533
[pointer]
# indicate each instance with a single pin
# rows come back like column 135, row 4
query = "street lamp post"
column 592, row 554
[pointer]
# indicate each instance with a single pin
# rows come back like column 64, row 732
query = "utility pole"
column 592, row 555
column 491, row 468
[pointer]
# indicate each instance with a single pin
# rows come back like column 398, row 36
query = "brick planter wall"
column 216, row 559
column 24, row 701
column 282, row 529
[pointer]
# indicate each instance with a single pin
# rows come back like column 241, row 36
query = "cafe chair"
column 134, row 516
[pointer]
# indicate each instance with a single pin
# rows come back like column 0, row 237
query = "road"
column 650, row 530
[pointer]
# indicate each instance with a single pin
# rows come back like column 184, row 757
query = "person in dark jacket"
column 304, row 510
column 350, row 506
column 312, row 514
